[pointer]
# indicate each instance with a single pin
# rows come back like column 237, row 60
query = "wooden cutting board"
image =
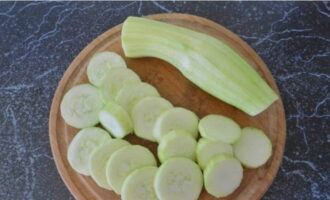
column 173, row 86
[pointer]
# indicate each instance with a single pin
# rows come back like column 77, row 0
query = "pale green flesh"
column 139, row 185
column 175, row 119
column 207, row 149
column 145, row 113
column 124, row 161
column 177, row 143
column 254, row 148
column 100, row 64
column 80, row 106
column 82, row 145
column 178, row 179
column 128, row 96
column 222, row 176
column 206, row 61
column 114, row 80
column 219, row 128
column 116, row 120
column 98, row 160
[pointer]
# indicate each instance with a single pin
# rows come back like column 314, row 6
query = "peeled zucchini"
column 100, row 64
column 115, row 79
column 124, row 161
column 175, row 119
column 177, row 143
column 116, row 120
column 80, row 106
column 128, row 96
column 207, row 149
column 178, row 179
column 82, row 146
column 223, row 175
column 145, row 113
column 98, row 160
column 206, row 61
column 139, row 185
column 219, row 128
column 253, row 148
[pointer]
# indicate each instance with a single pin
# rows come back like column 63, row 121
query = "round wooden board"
column 173, row 86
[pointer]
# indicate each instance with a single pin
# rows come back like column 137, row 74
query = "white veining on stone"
column 17, row 87
column 162, row 7
column 327, row 14
column 308, row 163
column 140, row 8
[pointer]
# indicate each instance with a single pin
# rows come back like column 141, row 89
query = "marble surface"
column 38, row 40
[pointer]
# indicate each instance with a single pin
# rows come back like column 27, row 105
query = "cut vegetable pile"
column 119, row 103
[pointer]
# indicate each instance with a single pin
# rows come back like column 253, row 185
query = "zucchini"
column 207, row 149
column 124, row 161
column 206, row 61
column 223, row 175
column 254, row 148
column 219, row 128
column 98, row 160
column 100, row 64
column 114, row 80
column 175, row 119
column 116, row 120
column 81, row 105
column 139, row 185
column 82, row 146
column 128, row 96
column 178, row 179
column 177, row 143
column 145, row 113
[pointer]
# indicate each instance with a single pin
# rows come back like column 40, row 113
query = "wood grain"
column 181, row 92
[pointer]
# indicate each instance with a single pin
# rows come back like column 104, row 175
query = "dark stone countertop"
column 38, row 40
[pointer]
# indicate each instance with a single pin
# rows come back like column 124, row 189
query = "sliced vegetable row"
column 122, row 104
